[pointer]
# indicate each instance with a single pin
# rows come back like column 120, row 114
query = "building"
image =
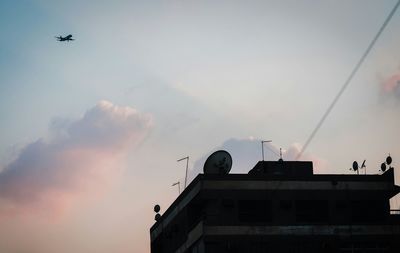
column 281, row 206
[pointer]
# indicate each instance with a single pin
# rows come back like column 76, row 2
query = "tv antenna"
column 365, row 167
column 187, row 165
column 179, row 186
column 219, row 162
column 357, row 168
column 262, row 148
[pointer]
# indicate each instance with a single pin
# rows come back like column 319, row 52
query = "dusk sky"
column 91, row 129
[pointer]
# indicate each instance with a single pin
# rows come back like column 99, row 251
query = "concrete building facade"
column 283, row 207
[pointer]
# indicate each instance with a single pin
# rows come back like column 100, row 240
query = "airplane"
column 66, row 38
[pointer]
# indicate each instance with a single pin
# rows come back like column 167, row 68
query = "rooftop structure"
column 281, row 206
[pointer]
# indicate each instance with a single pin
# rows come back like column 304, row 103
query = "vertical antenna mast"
column 187, row 164
column 262, row 148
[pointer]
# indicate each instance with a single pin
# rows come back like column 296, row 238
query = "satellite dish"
column 389, row 160
column 157, row 208
column 157, row 217
column 219, row 162
column 383, row 167
column 355, row 166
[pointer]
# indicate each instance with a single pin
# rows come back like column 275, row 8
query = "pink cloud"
column 291, row 153
column 80, row 159
column 390, row 87
column 391, row 84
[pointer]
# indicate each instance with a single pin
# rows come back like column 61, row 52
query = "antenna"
column 280, row 154
column 187, row 164
column 363, row 166
column 179, row 186
column 357, row 168
column 219, row 162
column 262, row 148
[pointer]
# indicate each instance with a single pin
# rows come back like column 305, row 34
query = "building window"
column 368, row 210
column 285, row 205
column 312, row 210
column 254, row 210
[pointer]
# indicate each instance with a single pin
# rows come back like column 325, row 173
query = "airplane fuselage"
column 66, row 38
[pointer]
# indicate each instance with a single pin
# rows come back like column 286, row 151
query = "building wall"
column 248, row 214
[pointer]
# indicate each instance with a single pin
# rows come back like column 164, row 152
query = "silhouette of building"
column 281, row 206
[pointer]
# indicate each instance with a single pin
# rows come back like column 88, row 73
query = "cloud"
column 247, row 152
column 79, row 159
column 390, row 86
column 320, row 165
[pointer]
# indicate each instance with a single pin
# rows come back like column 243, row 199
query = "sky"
column 91, row 130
